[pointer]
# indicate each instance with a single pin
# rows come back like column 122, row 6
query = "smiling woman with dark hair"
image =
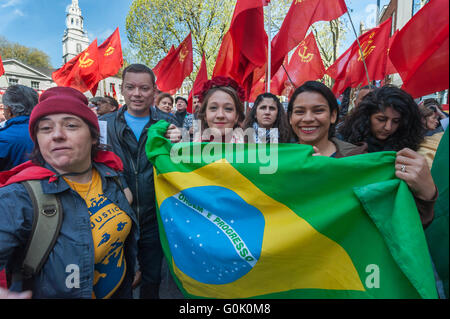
column 312, row 113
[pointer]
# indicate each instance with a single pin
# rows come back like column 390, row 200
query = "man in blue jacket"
column 15, row 142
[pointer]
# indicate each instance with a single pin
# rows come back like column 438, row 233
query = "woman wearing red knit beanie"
column 94, row 253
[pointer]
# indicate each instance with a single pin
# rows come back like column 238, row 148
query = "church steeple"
column 74, row 18
column 75, row 39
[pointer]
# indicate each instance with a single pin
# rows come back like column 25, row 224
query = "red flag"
column 277, row 84
column 225, row 57
column 390, row 68
column 113, row 86
column 420, row 52
column 2, row 70
column 301, row 15
column 202, row 77
column 349, row 71
column 81, row 72
column 306, row 63
column 241, row 53
column 258, row 88
column 175, row 67
column 161, row 63
column 2, row 272
column 110, row 55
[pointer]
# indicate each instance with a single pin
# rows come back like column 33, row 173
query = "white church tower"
column 75, row 39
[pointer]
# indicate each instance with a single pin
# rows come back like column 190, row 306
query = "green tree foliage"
column 30, row 56
column 279, row 9
column 153, row 26
column 329, row 37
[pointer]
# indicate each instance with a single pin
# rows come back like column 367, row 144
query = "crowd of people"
column 110, row 228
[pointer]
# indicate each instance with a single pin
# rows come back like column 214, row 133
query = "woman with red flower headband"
column 221, row 111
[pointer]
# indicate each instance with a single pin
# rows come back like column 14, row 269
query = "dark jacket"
column 344, row 149
column 15, row 143
column 425, row 207
column 138, row 171
column 74, row 245
column 180, row 116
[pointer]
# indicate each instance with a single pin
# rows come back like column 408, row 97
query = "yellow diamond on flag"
column 283, row 241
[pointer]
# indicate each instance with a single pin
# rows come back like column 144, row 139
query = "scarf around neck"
column 271, row 136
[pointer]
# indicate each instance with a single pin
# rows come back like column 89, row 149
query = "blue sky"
column 41, row 23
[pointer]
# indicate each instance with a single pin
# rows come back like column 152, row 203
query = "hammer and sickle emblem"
column 306, row 57
column 84, row 61
column 298, row 1
column 109, row 51
column 183, row 54
column 367, row 48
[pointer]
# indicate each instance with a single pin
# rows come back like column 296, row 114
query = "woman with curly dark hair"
column 387, row 119
column 268, row 115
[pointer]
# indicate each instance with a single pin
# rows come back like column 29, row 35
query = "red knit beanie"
column 62, row 100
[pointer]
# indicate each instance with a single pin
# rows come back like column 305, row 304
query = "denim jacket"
column 72, row 257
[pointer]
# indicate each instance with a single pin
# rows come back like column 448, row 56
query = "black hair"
column 281, row 122
column 410, row 132
column 180, row 98
column 368, row 87
column 139, row 68
column 322, row 89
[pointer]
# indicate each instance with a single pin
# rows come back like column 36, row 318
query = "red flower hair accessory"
column 221, row 81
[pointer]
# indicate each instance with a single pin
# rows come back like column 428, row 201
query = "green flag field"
column 273, row 221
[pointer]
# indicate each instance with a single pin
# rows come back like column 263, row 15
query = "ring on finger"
column 403, row 168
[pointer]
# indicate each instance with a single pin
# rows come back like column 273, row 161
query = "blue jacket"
column 74, row 245
column 15, row 143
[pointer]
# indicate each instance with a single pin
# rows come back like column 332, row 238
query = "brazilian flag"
column 273, row 221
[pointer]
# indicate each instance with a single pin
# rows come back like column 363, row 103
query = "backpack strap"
column 119, row 183
column 47, row 223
